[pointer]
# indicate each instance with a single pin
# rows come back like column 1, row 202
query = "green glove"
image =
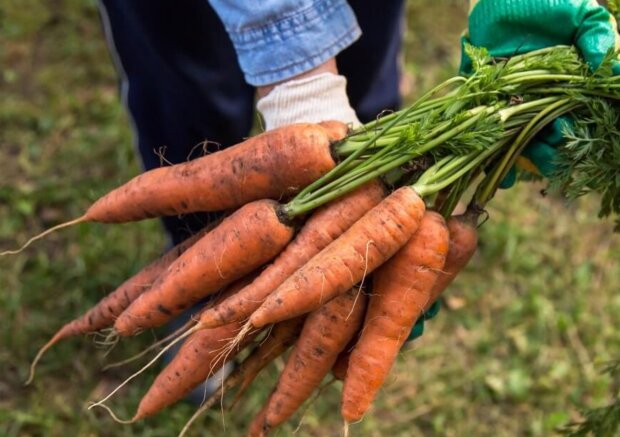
column 507, row 28
column 538, row 156
column 418, row 328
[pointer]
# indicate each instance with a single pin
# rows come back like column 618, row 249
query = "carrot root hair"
column 204, row 407
column 107, row 337
column 76, row 221
column 113, row 415
column 228, row 383
column 236, row 341
column 155, row 345
column 146, row 366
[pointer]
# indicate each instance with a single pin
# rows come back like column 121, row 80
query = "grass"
column 517, row 349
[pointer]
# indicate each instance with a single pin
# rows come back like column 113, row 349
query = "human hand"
column 510, row 28
column 316, row 96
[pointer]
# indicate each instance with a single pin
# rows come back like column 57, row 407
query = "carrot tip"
column 44, row 233
column 62, row 333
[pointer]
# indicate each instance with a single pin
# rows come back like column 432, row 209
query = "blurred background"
column 518, row 349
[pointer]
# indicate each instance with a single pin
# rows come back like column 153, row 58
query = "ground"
column 517, row 349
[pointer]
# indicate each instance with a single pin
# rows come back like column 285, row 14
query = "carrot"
column 107, row 310
column 366, row 245
column 325, row 334
column 401, row 289
column 243, row 242
column 463, row 244
column 323, row 227
column 272, row 165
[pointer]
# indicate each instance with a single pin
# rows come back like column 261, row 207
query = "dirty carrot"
column 323, row 227
column 244, row 241
column 190, row 324
column 272, row 165
column 401, row 290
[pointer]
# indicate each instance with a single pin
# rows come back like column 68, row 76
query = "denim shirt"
column 278, row 39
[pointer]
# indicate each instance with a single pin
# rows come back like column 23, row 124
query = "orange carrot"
column 104, row 313
column 463, row 244
column 325, row 334
column 366, row 245
column 243, row 242
column 401, row 290
column 271, row 165
column 323, row 227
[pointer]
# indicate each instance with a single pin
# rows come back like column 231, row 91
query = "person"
column 191, row 71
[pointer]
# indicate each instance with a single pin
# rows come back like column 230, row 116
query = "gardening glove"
column 311, row 99
column 418, row 328
column 508, row 28
column 539, row 155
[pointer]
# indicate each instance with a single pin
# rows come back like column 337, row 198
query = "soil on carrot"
column 516, row 349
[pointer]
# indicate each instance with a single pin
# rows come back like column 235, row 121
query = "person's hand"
column 508, row 28
column 316, row 96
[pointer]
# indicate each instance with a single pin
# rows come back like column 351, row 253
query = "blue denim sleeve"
column 279, row 39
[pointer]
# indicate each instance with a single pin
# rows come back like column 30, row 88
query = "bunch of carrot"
column 366, row 242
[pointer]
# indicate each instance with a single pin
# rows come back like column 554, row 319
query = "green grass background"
column 516, row 351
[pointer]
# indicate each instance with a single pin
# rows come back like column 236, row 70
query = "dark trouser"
column 182, row 85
